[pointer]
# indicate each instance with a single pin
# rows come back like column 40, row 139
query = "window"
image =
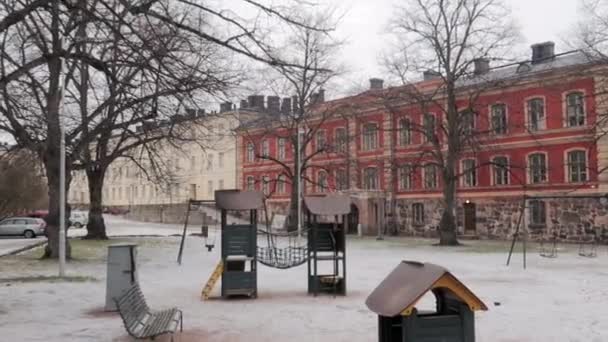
column 537, row 165
column 467, row 118
column 322, row 181
column 281, row 184
column 250, row 183
column 265, row 149
column 498, row 117
column 220, row 159
column 341, row 179
column 469, row 172
column 430, row 176
column 536, row 114
column 405, row 134
column 500, row 170
column 575, row 110
column 370, row 136
column 266, row 185
column 537, row 213
column 210, row 162
column 220, row 184
column 250, row 153
column 418, row 213
column 429, row 127
column 210, row 188
column 405, row 177
column 341, row 140
column 370, row 178
column 320, row 140
column 577, row 166
column 281, row 149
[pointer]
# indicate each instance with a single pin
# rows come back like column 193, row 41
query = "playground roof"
column 399, row 292
column 238, row 200
column 328, row 205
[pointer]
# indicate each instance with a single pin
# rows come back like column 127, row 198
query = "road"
column 115, row 226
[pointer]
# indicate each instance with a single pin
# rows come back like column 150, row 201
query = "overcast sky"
column 365, row 21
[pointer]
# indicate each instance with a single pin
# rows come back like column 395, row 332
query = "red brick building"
column 539, row 129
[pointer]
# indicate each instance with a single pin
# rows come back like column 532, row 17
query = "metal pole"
column 299, row 176
column 62, row 198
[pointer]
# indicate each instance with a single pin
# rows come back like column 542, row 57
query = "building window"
column 320, row 140
column 537, row 213
column 265, row 152
column 281, row 184
column 575, row 109
column 220, row 184
column 405, row 133
column 418, row 213
column 210, row 188
column 250, row 153
column 266, row 185
column 405, row 177
column 341, row 140
column 250, row 183
column 429, row 128
column 322, row 181
column 537, row 164
column 500, row 170
column 370, row 136
column 370, row 178
column 536, row 114
column 430, row 176
column 281, row 149
column 341, row 179
column 577, row 166
column 467, row 118
column 498, row 114
column 210, row 162
column 469, row 172
column 220, row 159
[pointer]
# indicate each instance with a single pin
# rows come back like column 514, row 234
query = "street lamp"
column 62, row 232
column 299, row 180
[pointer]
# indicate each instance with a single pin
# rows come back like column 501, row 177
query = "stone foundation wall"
column 571, row 219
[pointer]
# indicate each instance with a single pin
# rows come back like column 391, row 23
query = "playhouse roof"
column 238, row 200
column 399, row 292
column 328, row 204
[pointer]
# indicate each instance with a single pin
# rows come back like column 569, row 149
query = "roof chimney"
column 376, row 83
column 543, row 52
column 481, row 66
column 431, row 75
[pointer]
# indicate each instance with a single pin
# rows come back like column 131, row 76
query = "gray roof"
column 328, row 204
column 527, row 68
column 238, row 200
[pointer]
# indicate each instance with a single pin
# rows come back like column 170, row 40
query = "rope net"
column 292, row 255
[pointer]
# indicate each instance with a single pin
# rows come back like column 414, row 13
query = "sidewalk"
column 14, row 245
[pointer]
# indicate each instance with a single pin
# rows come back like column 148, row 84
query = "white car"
column 79, row 219
column 28, row 227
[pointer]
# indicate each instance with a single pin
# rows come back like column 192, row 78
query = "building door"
column 469, row 218
column 353, row 219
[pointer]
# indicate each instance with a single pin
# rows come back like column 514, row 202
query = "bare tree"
column 447, row 37
column 310, row 52
column 21, row 187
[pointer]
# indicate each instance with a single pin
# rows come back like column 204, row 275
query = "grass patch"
column 48, row 279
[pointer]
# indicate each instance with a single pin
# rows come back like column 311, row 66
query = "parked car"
column 78, row 219
column 28, row 227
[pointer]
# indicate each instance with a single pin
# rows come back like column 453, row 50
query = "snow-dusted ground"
column 562, row 299
column 10, row 244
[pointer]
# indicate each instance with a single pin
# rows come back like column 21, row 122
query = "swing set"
column 548, row 245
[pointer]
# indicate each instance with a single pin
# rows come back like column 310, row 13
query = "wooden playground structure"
column 322, row 245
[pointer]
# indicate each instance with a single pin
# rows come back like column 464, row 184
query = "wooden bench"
column 143, row 323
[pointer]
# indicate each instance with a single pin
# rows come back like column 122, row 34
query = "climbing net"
column 283, row 250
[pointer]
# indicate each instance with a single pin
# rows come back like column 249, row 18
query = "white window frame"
column 542, row 124
column 402, row 131
column 366, row 184
column 543, row 215
column 250, row 152
column 405, row 183
column 250, row 183
column 494, row 167
column 529, row 167
column 320, row 135
column 463, row 180
column 568, row 170
column 341, row 143
column 281, row 184
column 320, row 186
column 341, row 183
column 425, row 137
column 491, row 118
column 265, row 148
column 266, row 185
column 281, row 143
column 424, row 176
column 366, row 141
column 565, row 107
column 418, row 213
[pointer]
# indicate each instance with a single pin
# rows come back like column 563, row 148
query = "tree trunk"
column 447, row 224
column 51, row 163
column 96, row 227
column 293, row 207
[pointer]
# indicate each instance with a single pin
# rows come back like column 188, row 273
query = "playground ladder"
column 217, row 273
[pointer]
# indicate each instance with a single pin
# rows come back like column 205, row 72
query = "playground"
column 554, row 299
